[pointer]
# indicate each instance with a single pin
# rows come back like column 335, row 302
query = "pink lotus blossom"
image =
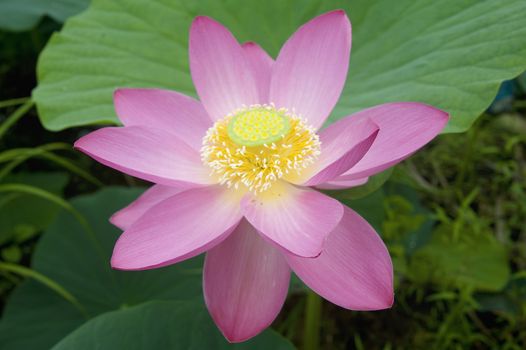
column 236, row 173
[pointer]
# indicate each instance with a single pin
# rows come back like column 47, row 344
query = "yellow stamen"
column 258, row 145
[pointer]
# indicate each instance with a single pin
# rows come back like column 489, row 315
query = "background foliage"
column 452, row 54
column 452, row 215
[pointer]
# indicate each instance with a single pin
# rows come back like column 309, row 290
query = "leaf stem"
column 312, row 326
column 27, row 272
column 15, row 116
column 13, row 102
column 17, row 156
column 38, row 192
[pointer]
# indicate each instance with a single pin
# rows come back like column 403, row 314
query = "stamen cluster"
column 258, row 167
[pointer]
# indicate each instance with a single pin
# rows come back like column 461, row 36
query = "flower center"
column 258, row 145
column 258, row 126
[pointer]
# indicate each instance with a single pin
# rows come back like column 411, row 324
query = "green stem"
column 312, row 326
column 13, row 102
column 61, row 202
column 27, row 272
column 17, row 156
column 13, row 118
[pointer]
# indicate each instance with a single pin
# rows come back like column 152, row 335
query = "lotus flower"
column 236, row 174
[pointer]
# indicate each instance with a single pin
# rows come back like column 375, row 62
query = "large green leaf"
column 508, row 302
column 482, row 265
column 37, row 318
column 78, row 260
column 370, row 207
column 160, row 325
column 25, row 14
column 449, row 53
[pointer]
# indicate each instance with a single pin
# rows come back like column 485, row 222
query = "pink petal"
column 310, row 71
column 342, row 146
column 220, row 70
column 297, row 219
column 339, row 185
column 354, row 270
column 245, row 283
column 177, row 228
column 261, row 64
column 165, row 110
column 155, row 194
column 404, row 128
column 150, row 154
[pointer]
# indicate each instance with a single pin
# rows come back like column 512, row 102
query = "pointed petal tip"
column 383, row 301
column 116, row 266
column 338, row 14
column 118, row 262
column 233, row 338
column 116, row 93
column 200, row 23
column 390, row 302
column 218, row 68
column 354, row 270
column 311, row 67
column 405, row 127
column 119, row 91
column 441, row 117
column 145, row 152
column 254, row 46
column 245, row 283
column 382, row 304
column 122, row 266
column 201, row 19
column 439, row 112
column 75, row 145
column 79, row 145
column 249, row 44
column 114, row 220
